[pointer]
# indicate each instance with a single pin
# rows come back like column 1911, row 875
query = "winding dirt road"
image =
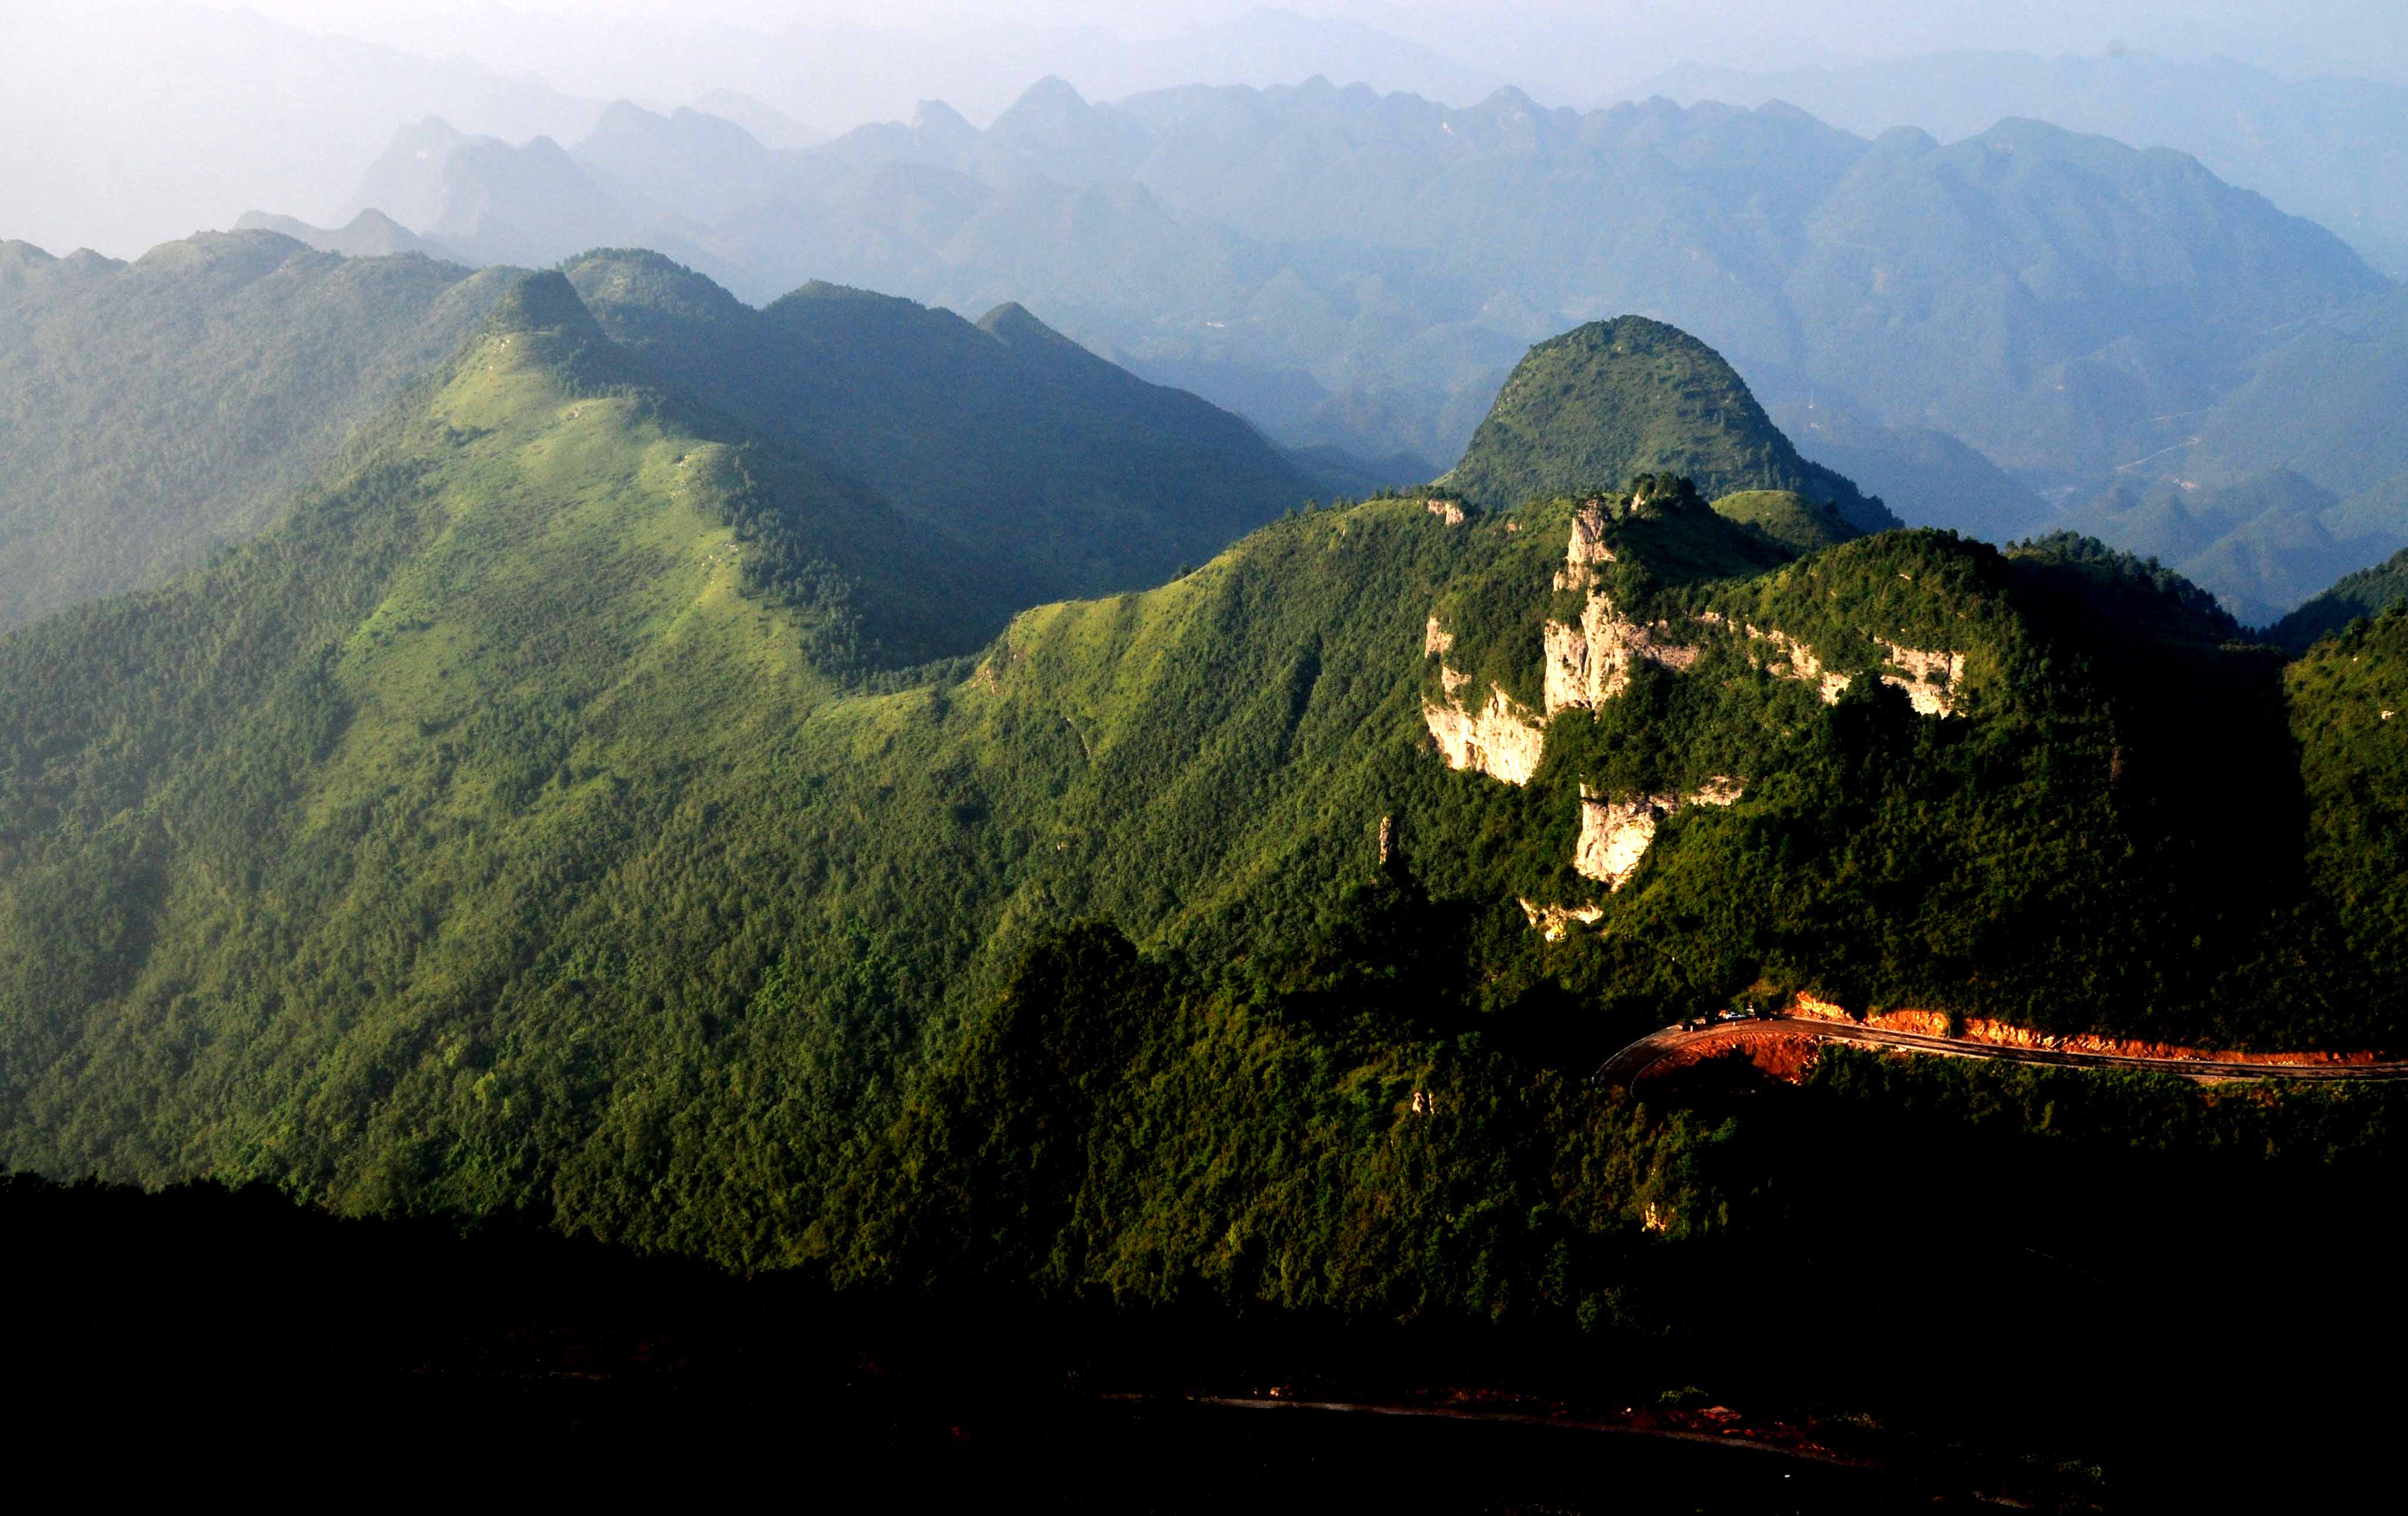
column 1677, row 1046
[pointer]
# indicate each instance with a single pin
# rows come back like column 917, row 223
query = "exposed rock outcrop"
column 1449, row 512
column 1587, row 548
column 1929, row 677
column 1797, row 662
column 1437, row 641
column 1614, row 834
column 1590, row 663
column 1500, row 740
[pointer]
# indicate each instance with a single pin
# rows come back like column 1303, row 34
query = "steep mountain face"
column 1358, row 270
column 1063, row 474
column 150, row 410
column 536, row 819
column 543, row 612
column 1593, row 408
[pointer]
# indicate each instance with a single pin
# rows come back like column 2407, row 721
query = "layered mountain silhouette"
column 2325, row 147
column 1360, row 270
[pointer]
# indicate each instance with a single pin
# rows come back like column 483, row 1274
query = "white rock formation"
column 1499, row 740
column 1587, row 548
column 1615, row 834
column 1447, row 512
column 1929, row 677
column 1436, row 640
column 1930, row 696
column 1590, row 663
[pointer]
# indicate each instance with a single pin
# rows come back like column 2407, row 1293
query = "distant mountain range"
column 2027, row 316
column 2333, row 149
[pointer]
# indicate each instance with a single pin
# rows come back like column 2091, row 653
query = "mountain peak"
column 557, row 331
column 1012, row 321
column 1585, row 411
column 936, row 119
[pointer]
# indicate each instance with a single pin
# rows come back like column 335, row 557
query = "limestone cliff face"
column 1587, row 548
column 1448, row 512
column 1436, row 640
column 1499, row 740
column 1615, row 834
column 1590, row 663
column 1929, row 678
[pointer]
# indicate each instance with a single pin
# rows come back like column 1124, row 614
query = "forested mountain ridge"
column 536, row 819
column 157, row 409
column 1069, row 476
column 152, row 409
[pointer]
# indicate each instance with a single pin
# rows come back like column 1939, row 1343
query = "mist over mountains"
column 2330, row 149
column 1987, row 330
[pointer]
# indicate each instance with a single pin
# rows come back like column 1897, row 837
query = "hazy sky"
column 126, row 122
column 2294, row 37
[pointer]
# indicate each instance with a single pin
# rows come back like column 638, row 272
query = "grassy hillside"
column 151, row 410
column 1589, row 409
column 1067, row 475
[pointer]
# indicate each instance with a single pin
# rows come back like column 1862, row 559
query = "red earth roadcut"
column 1787, row 1045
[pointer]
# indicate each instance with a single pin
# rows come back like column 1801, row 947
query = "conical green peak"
column 1585, row 411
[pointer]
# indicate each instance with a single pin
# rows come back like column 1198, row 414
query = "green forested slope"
column 1587, row 411
column 544, row 817
column 2348, row 698
column 1067, row 475
column 150, row 410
